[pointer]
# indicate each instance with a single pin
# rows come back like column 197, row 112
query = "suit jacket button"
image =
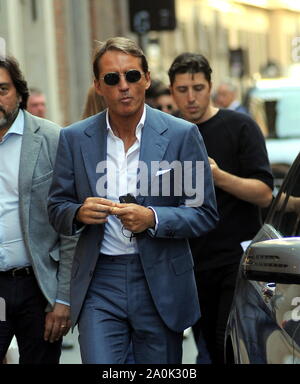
column 91, row 273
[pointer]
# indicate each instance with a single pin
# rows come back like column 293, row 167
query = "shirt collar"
column 139, row 127
column 17, row 127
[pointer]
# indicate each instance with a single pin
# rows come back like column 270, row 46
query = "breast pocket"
column 167, row 184
column 41, row 179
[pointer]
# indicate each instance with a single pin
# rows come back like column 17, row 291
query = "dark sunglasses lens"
column 112, row 78
column 133, row 76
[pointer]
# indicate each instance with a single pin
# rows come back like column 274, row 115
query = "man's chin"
column 193, row 117
column 129, row 110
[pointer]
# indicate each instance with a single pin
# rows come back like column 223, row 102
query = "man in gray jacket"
column 35, row 261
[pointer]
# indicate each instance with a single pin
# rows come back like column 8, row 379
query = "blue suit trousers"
column 119, row 309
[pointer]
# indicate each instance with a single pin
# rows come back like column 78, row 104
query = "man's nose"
column 123, row 84
column 191, row 95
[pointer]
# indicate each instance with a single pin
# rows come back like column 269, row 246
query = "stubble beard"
column 8, row 118
column 194, row 118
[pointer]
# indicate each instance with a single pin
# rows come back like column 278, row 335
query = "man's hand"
column 134, row 217
column 57, row 322
column 251, row 190
column 293, row 204
column 214, row 168
column 94, row 210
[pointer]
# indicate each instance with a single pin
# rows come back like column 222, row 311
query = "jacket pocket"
column 182, row 264
column 41, row 179
column 55, row 254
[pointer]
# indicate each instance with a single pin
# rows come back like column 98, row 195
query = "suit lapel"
column 93, row 149
column 30, row 149
column 153, row 144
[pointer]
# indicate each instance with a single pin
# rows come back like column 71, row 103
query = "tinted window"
column 285, row 217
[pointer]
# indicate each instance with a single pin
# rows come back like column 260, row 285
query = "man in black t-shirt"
column 243, row 183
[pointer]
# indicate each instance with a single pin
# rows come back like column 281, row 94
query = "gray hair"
column 230, row 86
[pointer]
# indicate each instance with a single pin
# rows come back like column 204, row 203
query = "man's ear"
column 148, row 80
column 97, row 86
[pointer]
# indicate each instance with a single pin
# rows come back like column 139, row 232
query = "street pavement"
column 72, row 356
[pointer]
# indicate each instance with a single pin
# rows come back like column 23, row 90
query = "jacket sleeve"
column 67, row 250
column 63, row 201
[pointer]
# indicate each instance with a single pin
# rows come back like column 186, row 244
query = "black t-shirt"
column 237, row 145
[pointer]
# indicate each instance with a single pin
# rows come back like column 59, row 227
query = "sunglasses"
column 131, row 76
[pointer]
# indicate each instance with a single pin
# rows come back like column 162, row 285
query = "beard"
column 8, row 117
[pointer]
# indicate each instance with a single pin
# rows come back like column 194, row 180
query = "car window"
column 285, row 217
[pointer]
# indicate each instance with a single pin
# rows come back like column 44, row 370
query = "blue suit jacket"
column 166, row 258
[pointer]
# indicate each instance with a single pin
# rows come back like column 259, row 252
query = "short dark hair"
column 121, row 44
column 12, row 66
column 190, row 63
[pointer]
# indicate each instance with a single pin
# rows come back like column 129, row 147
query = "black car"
column 264, row 322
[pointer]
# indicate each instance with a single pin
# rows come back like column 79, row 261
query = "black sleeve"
column 253, row 156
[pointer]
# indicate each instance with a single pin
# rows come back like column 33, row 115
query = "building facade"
column 54, row 41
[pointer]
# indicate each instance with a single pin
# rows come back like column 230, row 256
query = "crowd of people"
column 101, row 225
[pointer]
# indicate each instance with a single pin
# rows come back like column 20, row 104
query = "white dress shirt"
column 13, row 253
column 121, row 179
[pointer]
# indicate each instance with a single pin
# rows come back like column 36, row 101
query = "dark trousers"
column 215, row 290
column 119, row 309
column 25, row 318
column 203, row 356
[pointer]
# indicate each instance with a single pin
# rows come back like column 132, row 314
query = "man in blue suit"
column 132, row 275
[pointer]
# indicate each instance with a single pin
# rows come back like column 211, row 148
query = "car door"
column 282, row 342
